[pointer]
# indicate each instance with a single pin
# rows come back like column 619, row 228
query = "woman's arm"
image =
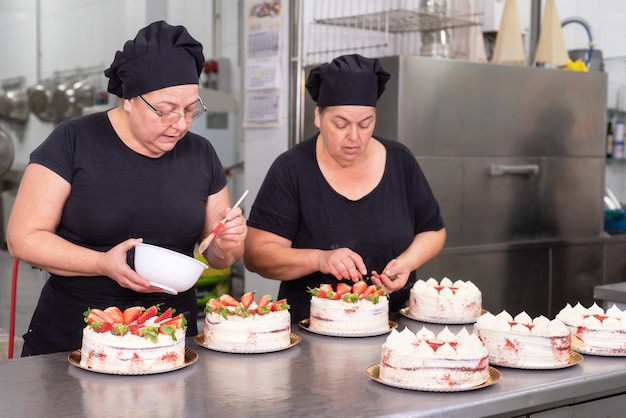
column 31, row 234
column 272, row 257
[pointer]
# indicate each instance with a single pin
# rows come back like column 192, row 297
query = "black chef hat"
column 347, row 80
column 160, row 56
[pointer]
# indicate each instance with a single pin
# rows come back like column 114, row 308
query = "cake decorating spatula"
column 207, row 241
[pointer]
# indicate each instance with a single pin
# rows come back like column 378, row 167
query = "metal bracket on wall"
column 523, row 169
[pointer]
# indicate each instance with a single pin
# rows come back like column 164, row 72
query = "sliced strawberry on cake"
column 247, row 299
column 131, row 314
column 147, row 314
column 165, row 315
column 264, row 304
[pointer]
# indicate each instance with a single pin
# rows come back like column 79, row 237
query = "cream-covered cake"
column 135, row 341
column 360, row 309
column 445, row 301
column 524, row 342
column 246, row 326
column 595, row 331
column 426, row 361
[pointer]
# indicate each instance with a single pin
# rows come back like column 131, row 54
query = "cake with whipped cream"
column 360, row 309
column 246, row 325
column 445, row 361
column 524, row 342
column 594, row 330
column 133, row 341
column 445, row 301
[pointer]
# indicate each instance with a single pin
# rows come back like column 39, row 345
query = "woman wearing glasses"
column 103, row 182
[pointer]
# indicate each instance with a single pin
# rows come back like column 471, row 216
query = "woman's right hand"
column 343, row 263
column 113, row 265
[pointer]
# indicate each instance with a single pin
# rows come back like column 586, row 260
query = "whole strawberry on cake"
column 246, row 325
column 360, row 309
column 134, row 341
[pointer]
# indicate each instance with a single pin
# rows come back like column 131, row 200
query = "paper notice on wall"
column 263, row 24
column 262, row 109
column 262, row 37
column 262, row 76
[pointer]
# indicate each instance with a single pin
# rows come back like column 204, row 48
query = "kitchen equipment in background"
column 40, row 100
column 7, row 155
column 13, row 103
column 382, row 28
column 436, row 43
column 590, row 56
column 509, row 48
column 551, row 50
column 70, row 97
column 55, row 100
column 610, row 200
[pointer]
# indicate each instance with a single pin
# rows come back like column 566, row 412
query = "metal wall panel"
column 576, row 269
column 457, row 108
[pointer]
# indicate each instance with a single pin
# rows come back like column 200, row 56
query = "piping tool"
column 207, row 241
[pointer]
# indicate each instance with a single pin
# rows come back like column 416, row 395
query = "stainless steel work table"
column 320, row 376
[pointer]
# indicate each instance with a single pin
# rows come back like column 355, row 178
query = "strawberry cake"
column 442, row 362
column 524, row 342
column 135, row 341
column 356, row 310
column 246, row 326
column 595, row 331
column 448, row 302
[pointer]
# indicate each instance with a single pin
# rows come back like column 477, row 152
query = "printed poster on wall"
column 262, row 37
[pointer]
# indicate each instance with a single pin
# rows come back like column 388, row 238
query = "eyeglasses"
column 171, row 118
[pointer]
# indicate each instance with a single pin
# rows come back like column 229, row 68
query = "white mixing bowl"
column 170, row 270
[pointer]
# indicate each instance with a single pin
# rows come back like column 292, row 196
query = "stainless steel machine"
column 515, row 156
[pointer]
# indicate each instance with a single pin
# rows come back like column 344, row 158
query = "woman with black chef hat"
column 344, row 204
column 103, row 182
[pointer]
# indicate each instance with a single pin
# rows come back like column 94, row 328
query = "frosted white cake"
column 524, row 342
column 120, row 346
column 595, row 331
column 356, row 310
column 445, row 301
column 246, row 326
column 445, row 361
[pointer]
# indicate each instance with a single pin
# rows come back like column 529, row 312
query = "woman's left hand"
column 393, row 277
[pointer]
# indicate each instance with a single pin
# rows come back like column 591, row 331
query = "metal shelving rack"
column 402, row 21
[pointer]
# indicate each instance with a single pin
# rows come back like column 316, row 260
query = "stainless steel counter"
column 320, row 376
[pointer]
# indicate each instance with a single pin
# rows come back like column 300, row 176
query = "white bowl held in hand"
column 170, row 270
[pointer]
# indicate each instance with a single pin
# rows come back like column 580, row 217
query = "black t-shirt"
column 296, row 202
column 118, row 194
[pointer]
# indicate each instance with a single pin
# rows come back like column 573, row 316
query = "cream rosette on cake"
column 446, row 301
column 524, row 342
column 427, row 361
